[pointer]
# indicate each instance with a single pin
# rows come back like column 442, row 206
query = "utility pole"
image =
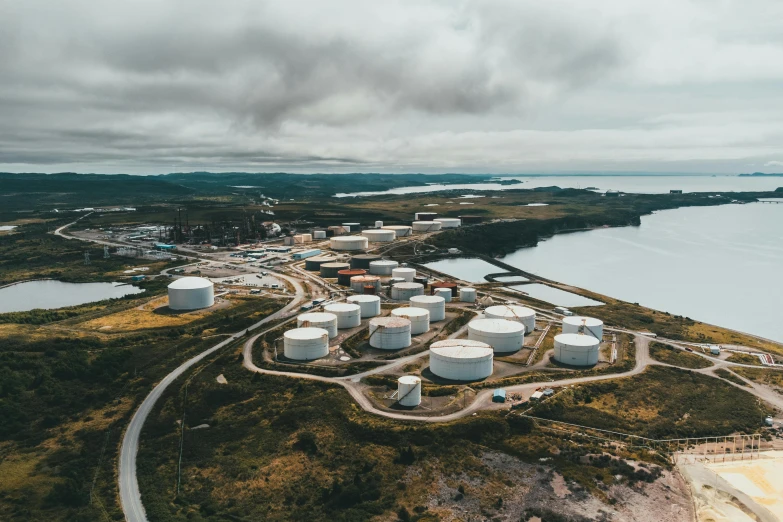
column 87, row 258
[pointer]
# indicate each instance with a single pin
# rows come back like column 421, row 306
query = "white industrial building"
column 461, row 359
column 576, row 349
column 306, row 344
column 502, row 335
column 522, row 314
column 323, row 320
column 191, row 293
column 390, row 333
column 404, row 291
column 436, row 305
column 349, row 315
column 409, row 391
column 587, row 325
column 419, row 318
column 370, row 305
column 348, row 243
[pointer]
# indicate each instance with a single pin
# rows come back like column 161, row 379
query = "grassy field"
column 729, row 376
column 766, row 376
column 674, row 356
column 744, row 358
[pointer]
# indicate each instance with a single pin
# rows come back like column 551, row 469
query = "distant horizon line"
column 505, row 175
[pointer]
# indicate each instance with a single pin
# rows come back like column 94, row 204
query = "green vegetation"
column 676, row 357
column 765, row 376
column 729, row 376
column 744, row 358
column 659, row 403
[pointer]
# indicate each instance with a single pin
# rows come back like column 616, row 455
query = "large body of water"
column 57, row 294
column 722, row 265
column 633, row 184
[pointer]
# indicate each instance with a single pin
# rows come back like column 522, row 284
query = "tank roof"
column 577, row 339
column 190, row 283
column 318, row 317
column 341, row 307
column 496, row 325
column 461, row 349
column 577, row 320
column 364, row 298
column 390, row 322
column 510, row 311
column 409, row 379
column 411, row 311
column 306, row 333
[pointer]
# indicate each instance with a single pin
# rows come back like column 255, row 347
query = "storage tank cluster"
column 405, row 273
column 349, row 243
column 348, row 314
column 364, row 284
column 461, row 359
column 344, row 276
column 522, row 314
column 426, row 226
column 409, row 391
column 379, row 235
column 587, row 325
column 313, row 264
column 363, row 260
column 369, row 305
column 390, row 333
column 383, row 267
column 191, row 293
column 502, row 335
column 434, row 304
column 324, row 320
column 419, row 318
column 404, row 291
column 576, row 349
column 450, row 285
column 306, row 344
column 399, row 230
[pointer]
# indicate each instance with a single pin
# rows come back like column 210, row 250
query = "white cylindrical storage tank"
column 399, row 230
column 370, row 305
column 467, row 295
column 426, row 226
column 587, row 325
column 349, row 315
column 383, row 267
column 359, row 282
column 419, row 318
column 306, row 344
column 404, row 291
column 522, row 314
column 319, row 234
column 461, row 359
column 409, row 391
column 379, row 235
column 379, row 224
column 502, row 335
column 348, row 243
column 318, row 320
column 576, row 349
column 445, row 293
column 406, row 273
column 352, row 227
column 390, row 333
column 191, row 293
column 448, row 222
column 436, row 305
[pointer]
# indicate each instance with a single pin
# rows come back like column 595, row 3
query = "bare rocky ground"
column 512, row 490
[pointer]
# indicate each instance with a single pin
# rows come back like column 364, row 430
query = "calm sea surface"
column 57, row 294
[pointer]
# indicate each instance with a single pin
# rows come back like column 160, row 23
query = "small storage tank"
column 502, row 335
column 426, row 226
column 330, row 270
column 302, row 238
column 379, row 235
column 369, row 305
column 409, row 391
column 191, row 293
column 336, row 231
column 586, row 325
column 467, row 295
column 379, row 224
column 352, row 227
column 323, row 320
column 461, row 359
column 406, row 273
column 404, row 291
column 363, row 260
column 319, row 234
column 369, row 290
column 423, row 280
column 360, row 282
column 451, row 285
column 435, row 304
column 419, row 318
column 349, row 315
column 390, row 333
column 445, row 293
column 522, row 314
column 313, row 264
column 576, row 349
column 348, row 243
column 425, row 216
column 344, row 276
column 449, row 222
column 306, row 344
column 399, row 230
column 383, row 267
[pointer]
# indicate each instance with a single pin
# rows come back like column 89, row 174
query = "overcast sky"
column 489, row 86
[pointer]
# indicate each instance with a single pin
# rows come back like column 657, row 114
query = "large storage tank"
column 425, row 216
column 191, row 293
column 576, row 349
column 436, row 306
column 451, row 285
column 502, row 335
column 370, row 305
column 319, row 234
column 467, row 295
column 383, row 267
column 445, row 293
column 461, row 359
column 349, row 315
column 522, row 314
column 390, row 333
column 363, row 260
column 344, row 276
column 318, row 320
column 404, row 291
column 449, row 222
column 426, row 226
column 379, row 235
column 306, row 344
column 587, row 325
column 399, row 230
column 360, row 282
column 330, row 270
column 313, row 264
column 406, row 273
column 409, row 391
column 419, row 318
column 348, row 243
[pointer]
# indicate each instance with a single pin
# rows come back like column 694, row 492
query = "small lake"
column 555, row 296
column 471, row 269
column 57, row 294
